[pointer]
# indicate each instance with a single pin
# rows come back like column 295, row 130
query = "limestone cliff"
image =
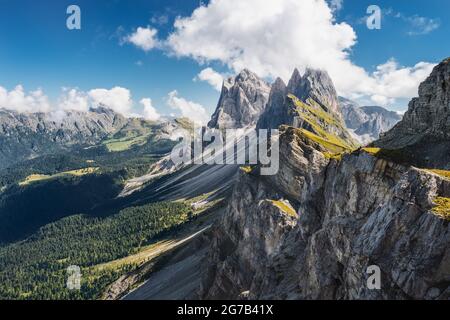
column 241, row 102
column 424, row 133
column 312, row 230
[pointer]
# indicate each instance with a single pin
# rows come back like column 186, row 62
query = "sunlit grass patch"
column 247, row 169
column 442, row 173
column 286, row 208
column 372, row 151
column 43, row 177
column 442, row 207
column 125, row 143
column 334, row 146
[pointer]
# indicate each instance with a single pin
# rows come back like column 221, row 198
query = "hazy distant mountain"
column 368, row 122
column 28, row 135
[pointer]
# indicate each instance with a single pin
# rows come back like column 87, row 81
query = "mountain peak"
column 242, row 100
column 278, row 84
column 295, row 83
column 366, row 123
column 245, row 73
column 315, row 84
column 319, row 86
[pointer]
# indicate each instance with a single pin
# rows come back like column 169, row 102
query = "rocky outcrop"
column 317, row 85
column 241, row 102
column 278, row 110
column 424, row 131
column 315, row 88
column 28, row 135
column 369, row 122
column 306, row 103
column 314, row 229
column 350, row 214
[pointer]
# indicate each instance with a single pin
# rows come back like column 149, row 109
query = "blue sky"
column 38, row 51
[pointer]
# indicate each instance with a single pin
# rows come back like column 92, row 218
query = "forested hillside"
column 36, row 267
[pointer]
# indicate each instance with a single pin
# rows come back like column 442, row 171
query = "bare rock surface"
column 424, row 131
column 367, row 123
column 352, row 211
column 350, row 214
column 241, row 102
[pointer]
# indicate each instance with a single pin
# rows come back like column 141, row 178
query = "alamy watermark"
column 73, row 22
column 374, row 279
column 229, row 147
column 373, row 21
column 74, row 278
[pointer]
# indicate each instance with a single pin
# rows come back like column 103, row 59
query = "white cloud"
column 18, row 100
column 214, row 78
column 117, row 98
column 149, row 112
column 419, row 25
column 336, row 5
column 393, row 81
column 144, row 38
column 73, row 99
column 282, row 35
column 381, row 100
column 188, row 109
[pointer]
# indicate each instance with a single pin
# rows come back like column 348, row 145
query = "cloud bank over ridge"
column 283, row 35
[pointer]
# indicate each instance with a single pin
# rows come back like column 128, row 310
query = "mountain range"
column 367, row 123
column 357, row 187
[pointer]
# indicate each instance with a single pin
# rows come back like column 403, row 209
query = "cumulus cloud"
column 73, row 99
column 270, row 41
column 21, row 101
column 390, row 80
column 149, row 112
column 212, row 77
column 194, row 111
column 117, row 98
column 144, row 38
column 283, row 35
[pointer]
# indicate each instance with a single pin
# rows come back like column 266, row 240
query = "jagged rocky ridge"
column 28, row 135
column 311, row 230
column 367, row 122
column 309, row 102
column 423, row 135
column 241, row 102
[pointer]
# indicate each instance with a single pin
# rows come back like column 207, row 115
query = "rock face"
column 425, row 128
column 24, row 136
column 278, row 111
column 368, row 122
column 314, row 88
column 351, row 214
column 312, row 230
column 241, row 102
column 317, row 85
column 307, row 103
